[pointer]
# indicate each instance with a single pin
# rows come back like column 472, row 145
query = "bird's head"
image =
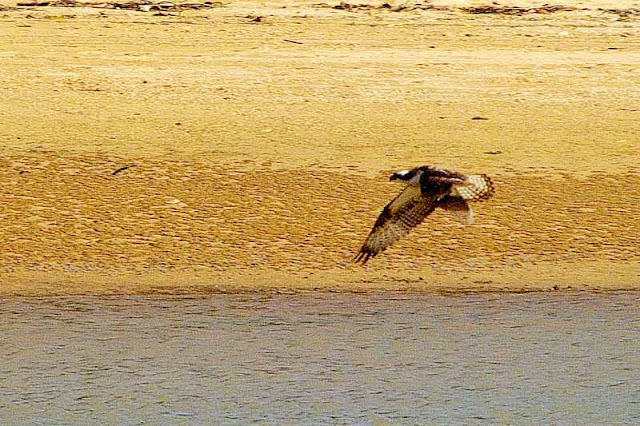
column 403, row 175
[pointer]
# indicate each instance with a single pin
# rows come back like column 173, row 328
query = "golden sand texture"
column 259, row 152
column 68, row 214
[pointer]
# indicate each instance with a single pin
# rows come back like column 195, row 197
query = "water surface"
column 550, row 358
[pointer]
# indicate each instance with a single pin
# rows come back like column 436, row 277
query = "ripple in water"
column 321, row 359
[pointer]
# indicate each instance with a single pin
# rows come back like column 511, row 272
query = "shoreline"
column 545, row 277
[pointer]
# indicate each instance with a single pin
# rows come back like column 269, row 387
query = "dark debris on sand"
column 169, row 6
column 144, row 6
column 491, row 9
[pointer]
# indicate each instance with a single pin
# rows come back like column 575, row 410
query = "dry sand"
column 262, row 149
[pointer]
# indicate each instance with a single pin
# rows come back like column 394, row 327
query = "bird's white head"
column 406, row 176
column 401, row 175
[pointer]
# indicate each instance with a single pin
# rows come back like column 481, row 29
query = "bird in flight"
column 427, row 187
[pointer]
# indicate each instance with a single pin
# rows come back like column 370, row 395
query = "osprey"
column 427, row 187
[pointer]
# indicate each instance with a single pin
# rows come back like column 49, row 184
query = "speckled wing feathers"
column 437, row 188
column 401, row 215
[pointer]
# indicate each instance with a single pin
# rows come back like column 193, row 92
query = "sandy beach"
column 253, row 144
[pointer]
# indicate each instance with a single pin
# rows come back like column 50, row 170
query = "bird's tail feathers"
column 460, row 208
column 464, row 217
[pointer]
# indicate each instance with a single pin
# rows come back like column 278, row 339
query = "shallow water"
column 537, row 358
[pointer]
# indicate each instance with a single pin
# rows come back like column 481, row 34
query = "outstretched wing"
column 475, row 188
column 402, row 214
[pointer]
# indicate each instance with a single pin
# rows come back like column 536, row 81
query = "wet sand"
column 259, row 151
